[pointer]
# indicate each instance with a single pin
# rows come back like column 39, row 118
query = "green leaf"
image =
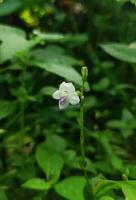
column 132, row 170
column 6, row 108
column 132, row 1
column 102, row 187
column 13, row 40
column 55, row 61
column 9, row 7
column 117, row 124
column 28, row 169
column 71, row 188
column 126, row 125
column 37, row 184
column 90, row 102
column 104, row 166
column 127, row 116
column 48, row 90
column 88, row 192
column 50, row 162
column 106, row 198
column 129, row 189
column 89, row 165
column 121, row 51
column 57, row 37
column 3, row 196
column 103, row 84
column 22, row 94
column 117, row 162
column 37, row 198
column 55, row 143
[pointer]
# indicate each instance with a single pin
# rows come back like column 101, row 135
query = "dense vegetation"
column 42, row 44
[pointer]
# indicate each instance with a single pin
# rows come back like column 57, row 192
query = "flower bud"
column 84, row 72
column 125, row 178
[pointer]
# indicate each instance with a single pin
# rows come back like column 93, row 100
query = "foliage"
column 43, row 43
column 132, row 1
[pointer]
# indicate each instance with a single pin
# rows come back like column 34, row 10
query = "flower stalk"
column 84, row 72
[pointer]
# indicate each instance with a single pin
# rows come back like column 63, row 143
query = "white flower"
column 66, row 94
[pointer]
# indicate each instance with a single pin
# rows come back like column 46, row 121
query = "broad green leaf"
column 54, row 54
column 54, row 60
column 121, row 51
column 102, row 85
column 37, row 184
column 3, row 196
column 9, row 7
column 129, row 189
column 57, row 37
column 69, row 157
column 102, row 187
column 50, row 162
column 55, row 143
column 13, row 40
column 6, row 108
column 117, row 124
column 71, row 188
column 117, row 162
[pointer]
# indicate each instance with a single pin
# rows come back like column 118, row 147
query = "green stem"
column 22, row 106
column 82, row 135
column 88, row 188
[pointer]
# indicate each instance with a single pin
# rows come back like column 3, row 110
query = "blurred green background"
column 45, row 42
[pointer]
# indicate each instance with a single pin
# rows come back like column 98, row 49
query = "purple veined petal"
column 74, row 99
column 56, row 94
column 68, row 87
column 63, row 103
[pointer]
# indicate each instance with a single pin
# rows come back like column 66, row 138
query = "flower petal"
column 63, row 103
column 74, row 99
column 56, row 94
column 68, row 87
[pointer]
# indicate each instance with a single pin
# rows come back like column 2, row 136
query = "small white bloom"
column 66, row 94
